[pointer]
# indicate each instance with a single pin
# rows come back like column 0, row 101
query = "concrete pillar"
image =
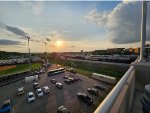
column 143, row 30
column 142, row 74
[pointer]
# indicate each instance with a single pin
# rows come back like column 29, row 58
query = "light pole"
column 29, row 53
column 46, row 57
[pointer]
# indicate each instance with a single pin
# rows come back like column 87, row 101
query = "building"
column 115, row 50
column 136, row 50
column 131, row 50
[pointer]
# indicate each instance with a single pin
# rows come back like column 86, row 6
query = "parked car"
column 72, row 79
column 20, row 91
column 39, row 92
column 84, row 97
column 59, row 85
column 67, row 81
column 53, row 80
column 6, row 107
column 71, row 75
column 93, row 91
column 65, row 77
column 30, row 97
column 36, row 85
column 62, row 109
column 75, row 78
column 98, row 86
column 46, row 89
column 72, row 70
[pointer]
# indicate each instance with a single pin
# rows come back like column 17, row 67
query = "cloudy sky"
column 70, row 26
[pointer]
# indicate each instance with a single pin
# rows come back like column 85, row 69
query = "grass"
column 86, row 68
column 19, row 68
column 80, row 71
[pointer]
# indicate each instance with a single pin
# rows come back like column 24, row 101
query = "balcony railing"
column 108, row 102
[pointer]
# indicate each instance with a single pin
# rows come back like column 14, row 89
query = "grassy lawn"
column 81, row 71
column 19, row 68
column 87, row 69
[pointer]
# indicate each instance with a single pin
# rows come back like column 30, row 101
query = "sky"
column 70, row 26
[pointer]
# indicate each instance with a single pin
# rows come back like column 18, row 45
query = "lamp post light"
column 29, row 52
column 46, row 58
column 46, row 54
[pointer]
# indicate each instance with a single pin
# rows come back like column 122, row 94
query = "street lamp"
column 46, row 54
column 29, row 53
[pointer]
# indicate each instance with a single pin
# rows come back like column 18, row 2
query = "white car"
column 20, row 91
column 39, row 92
column 59, row 85
column 46, row 89
column 30, row 97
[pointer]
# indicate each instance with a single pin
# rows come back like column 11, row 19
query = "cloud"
column 100, row 18
column 123, row 23
column 13, row 30
column 6, row 42
column 16, row 31
column 47, row 39
column 36, row 6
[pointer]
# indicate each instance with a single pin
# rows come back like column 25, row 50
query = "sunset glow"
column 59, row 43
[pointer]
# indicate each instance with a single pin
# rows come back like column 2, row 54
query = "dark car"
column 84, row 97
column 59, row 85
column 75, row 78
column 36, row 85
column 72, row 79
column 98, row 86
column 62, row 109
column 53, row 80
column 67, row 81
column 93, row 91
column 71, row 75
column 6, row 107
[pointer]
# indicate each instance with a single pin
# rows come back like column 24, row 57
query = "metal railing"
column 108, row 102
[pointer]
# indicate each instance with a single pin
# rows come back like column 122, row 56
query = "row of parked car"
column 94, row 90
column 39, row 91
column 81, row 95
column 68, row 80
column 37, row 88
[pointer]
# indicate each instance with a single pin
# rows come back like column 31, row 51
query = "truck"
column 31, row 78
column 104, row 78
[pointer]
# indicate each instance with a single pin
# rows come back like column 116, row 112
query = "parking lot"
column 57, row 97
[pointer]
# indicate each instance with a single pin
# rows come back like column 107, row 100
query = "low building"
column 136, row 50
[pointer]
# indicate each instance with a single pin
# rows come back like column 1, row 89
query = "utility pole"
column 143, row 30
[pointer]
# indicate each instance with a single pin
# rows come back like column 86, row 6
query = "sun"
column 59, row 43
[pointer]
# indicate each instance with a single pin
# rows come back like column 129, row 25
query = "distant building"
column 131, row 50
column 136, row 50
column 115, row 50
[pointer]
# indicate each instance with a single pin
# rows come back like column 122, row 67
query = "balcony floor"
column 136, row 104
